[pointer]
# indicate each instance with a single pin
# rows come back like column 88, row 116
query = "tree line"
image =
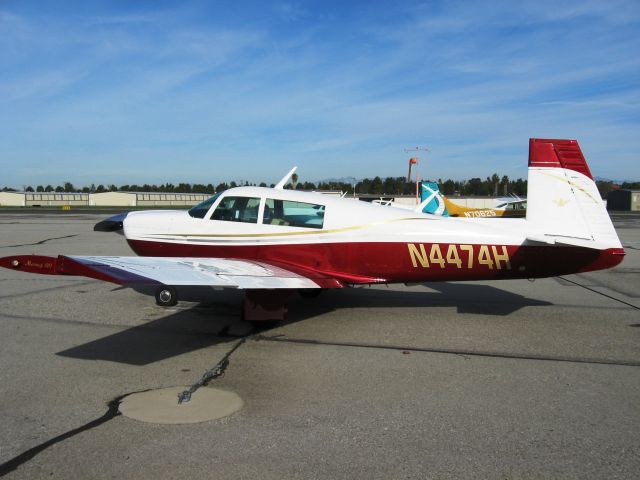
column 490, row 186
column 493, row 185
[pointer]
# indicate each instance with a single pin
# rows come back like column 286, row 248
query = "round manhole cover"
column 161, row 406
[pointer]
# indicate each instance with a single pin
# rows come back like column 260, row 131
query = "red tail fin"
column 558, row 153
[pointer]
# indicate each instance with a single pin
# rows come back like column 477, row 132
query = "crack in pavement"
column 600, row 293
column 113, row 411
column 21, row 459
column 41, row 242
column 113, row 406
column 214, row 372
column 450, row 351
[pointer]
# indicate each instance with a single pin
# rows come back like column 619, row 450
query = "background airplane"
column 515, row 208
column 271, row 241
column 434, row 202
column 438, row 204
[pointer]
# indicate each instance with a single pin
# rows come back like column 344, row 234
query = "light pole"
column 414, row 161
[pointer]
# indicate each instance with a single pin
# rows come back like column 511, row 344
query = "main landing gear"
column 258, row 305
column 166, row 296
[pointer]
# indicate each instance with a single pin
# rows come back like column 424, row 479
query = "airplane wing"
column 214, row 272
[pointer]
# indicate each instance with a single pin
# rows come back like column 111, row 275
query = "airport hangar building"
column 624, row 200
column 157, row 199
column 619, row 200
column 102, row 199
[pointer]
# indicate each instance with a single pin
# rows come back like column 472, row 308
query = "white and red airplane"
column 272, row 241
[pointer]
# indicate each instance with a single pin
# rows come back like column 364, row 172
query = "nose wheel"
column 166, row 296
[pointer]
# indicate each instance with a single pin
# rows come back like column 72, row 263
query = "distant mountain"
column 619, row 182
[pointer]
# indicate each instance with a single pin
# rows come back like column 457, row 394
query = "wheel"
column 166, row 296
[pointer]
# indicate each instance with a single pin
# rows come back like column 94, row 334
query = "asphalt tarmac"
column 503, row 379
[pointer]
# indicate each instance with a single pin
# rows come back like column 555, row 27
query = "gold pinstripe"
column 571, row 184
column 286, row 234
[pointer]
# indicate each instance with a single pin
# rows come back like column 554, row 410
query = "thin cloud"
column 340, row 91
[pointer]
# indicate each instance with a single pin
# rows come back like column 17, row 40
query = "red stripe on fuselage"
column 399, row 263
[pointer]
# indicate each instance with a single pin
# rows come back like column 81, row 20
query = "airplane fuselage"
column 356, row 242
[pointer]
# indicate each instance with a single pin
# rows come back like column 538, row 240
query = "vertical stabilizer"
column 563, row 202
column 431, row 200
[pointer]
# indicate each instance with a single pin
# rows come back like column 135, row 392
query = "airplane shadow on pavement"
column 465, row 297
column 184, row 329
column 217, row 313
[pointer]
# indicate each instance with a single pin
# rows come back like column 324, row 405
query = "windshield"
column 200, row 210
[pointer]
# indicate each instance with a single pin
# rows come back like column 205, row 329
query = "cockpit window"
column 293, row 214
column 517, row 206
column 520, row 205
column 237, row 209
column 200, row 210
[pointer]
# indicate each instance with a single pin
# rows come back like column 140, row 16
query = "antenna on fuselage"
column 280, row 185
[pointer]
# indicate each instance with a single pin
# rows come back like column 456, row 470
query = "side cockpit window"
column 237, row 209
column 200, row 210
column 293, row 214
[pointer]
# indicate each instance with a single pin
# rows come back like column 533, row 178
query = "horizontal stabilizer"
column 556, row 240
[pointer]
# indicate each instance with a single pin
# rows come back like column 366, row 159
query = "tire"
column 166, row 296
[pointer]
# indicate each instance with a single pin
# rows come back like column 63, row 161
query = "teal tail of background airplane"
column 435, row 204
column 271, row 241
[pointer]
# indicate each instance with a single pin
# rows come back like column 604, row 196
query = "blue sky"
column 154, row 92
